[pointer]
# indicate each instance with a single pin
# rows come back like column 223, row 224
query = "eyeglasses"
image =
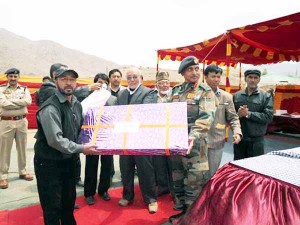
column 65, row 80
column 132, row 78
column 161, row 83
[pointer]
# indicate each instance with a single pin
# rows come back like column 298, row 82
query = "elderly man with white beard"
column 162, row 164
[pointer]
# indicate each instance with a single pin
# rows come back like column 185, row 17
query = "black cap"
column 252, row 71
column 12, row 71
column 186, row 62
column 63, row 69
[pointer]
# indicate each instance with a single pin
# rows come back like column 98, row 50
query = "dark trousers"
column 163, row 173
column 146, row 176
column 78, row 170
column 56, row 189
column 248, row 148
column 91, row 171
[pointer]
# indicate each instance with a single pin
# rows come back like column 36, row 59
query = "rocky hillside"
column 35, row 57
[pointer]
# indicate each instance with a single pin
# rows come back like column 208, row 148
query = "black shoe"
column 171, row 218
column 90, row 200
column 79, row 183
column 105, row 196
column 76, row 206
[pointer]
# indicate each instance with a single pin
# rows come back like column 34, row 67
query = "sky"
column 128, row 32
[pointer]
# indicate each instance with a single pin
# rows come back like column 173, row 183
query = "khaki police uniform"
column 189, row 171
column 13, row 125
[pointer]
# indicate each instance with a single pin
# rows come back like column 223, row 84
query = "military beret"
column 12, row 71
column 162, row 76
column 252, row 71
column 186, row 62
column 63, row 69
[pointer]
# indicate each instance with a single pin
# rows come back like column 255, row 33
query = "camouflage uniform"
column 189, row 171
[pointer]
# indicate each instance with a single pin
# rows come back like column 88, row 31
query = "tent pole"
column 203, row 68
column 157, row 62
column 240, row 77
column 228, row 55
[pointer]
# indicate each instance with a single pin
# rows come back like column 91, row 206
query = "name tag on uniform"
column 220, row 126
column 190, row 95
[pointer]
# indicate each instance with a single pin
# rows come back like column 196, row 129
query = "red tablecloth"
column 238, row 196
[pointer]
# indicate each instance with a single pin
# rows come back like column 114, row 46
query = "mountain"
column 36, row 57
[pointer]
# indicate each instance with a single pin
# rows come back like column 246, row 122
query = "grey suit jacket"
column 136, row 98
column 112, row 100
column 225, row 114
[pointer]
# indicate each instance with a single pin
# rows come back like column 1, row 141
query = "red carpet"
column 102, row 213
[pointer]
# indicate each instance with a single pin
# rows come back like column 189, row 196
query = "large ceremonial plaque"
column 143, row 129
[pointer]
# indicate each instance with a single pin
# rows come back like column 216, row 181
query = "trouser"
column 78, row 170
column 91, row 171
column 145, row 173
column 189, row 173
column 249, row 148
column 113, row 167
column 10, row 130
column 56, row 189
column 214, row 160
column 163, row 173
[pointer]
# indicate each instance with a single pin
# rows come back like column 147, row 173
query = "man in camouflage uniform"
column 14, row 100
column 189, row 171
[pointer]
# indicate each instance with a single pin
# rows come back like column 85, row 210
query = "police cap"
column 186, row 62
column 12, row 71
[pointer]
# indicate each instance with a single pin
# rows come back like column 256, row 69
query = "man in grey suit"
column 135, row 94
column 225, row 114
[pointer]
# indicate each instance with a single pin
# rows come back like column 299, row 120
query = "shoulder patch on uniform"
column 2, row 85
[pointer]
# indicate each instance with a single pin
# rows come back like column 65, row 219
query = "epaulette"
column 176, row 88
column 24, row 87
column 2, row 85
column 203, row 86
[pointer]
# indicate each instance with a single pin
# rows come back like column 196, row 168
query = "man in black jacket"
column 255, row 110
column 56, row 151
column 48, row 89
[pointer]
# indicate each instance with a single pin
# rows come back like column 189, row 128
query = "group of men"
column 209, row 110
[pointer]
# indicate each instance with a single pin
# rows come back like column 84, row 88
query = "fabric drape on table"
column 237, row 196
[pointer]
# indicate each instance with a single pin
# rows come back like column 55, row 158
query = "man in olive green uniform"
column 189, row 171
column 14, row 100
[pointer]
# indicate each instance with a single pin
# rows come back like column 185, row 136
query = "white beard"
column 164, row 92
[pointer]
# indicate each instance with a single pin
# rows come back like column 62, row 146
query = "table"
column 284, row 123
column 262, row 190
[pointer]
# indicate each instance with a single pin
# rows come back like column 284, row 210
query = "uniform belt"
column 12, row 117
